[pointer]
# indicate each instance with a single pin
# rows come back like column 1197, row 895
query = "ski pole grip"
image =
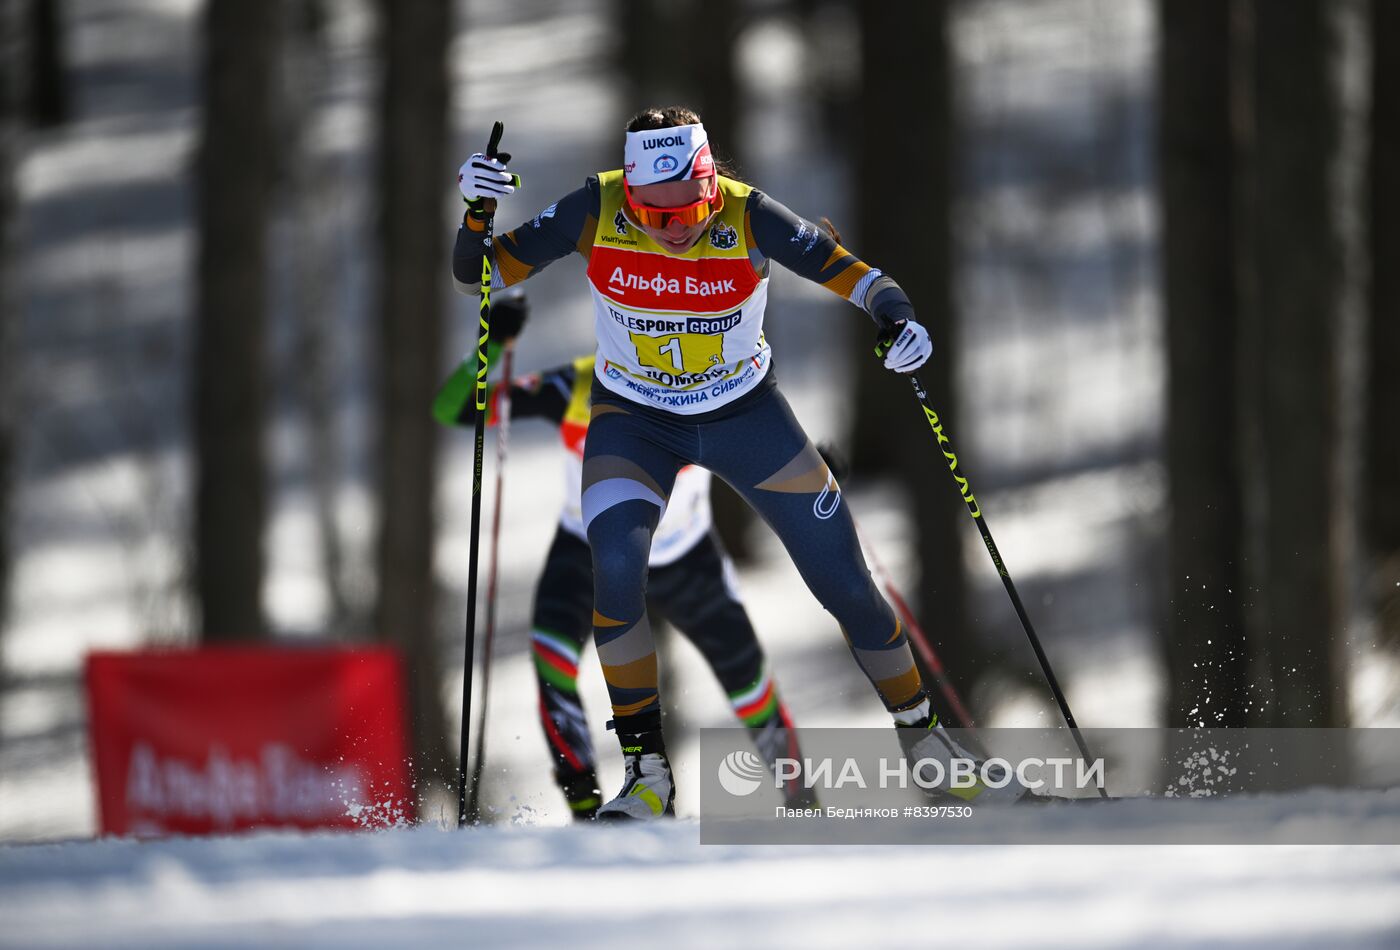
column 886, row 334
column 493, row 146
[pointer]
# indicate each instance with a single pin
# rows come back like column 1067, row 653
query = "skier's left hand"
column 909, row 346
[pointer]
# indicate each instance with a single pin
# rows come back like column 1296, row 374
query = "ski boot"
column 648, row 791
column 581, row 792
column 777, row 739
column 925, row 738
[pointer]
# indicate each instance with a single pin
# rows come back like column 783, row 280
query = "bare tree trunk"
column 905, row 58
column 47, row 96
column 656, row 71
column 713, row 76
column 829, row 71
column 412, row 174
column 236, row 167
column 703, row 76
column 1381, row 472
column 642, row 28
column 1292, row 334
column 1207, row 652
column 10, row 43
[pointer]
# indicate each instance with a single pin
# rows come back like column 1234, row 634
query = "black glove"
column 508, row 315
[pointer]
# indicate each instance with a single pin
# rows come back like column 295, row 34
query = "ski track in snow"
column 531, row 886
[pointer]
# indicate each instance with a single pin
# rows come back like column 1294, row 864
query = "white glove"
column 910, row 349
column 482, row 177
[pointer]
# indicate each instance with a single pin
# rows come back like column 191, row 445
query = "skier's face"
column 675, row 202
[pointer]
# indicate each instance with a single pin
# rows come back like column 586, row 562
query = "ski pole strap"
column 483, row 208
column 493, row 149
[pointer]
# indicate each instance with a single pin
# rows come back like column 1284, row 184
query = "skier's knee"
column 845, row 592
column 618, row 564
column 620, row 548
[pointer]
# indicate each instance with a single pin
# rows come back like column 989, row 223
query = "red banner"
column 226, row 739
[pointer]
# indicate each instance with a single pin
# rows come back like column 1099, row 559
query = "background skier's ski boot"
column 777, row 739
column 648, row 791
column 581, row 792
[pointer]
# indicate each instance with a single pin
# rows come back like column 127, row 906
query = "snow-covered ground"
column 1060, row 345
column 607, row 887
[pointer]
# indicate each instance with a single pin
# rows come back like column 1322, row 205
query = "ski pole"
column 965, row 489
column 502, row 435
column 917, row 636
column 479, row 429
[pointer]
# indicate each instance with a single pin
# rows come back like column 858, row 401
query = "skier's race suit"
column 684, row 376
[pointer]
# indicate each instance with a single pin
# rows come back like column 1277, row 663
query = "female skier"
column 678, row 258
column 691, row 584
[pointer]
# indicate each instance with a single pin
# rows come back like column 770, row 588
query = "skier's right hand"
column 905, row 346
column 482, row 177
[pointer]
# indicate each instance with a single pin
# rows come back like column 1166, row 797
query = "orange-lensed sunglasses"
column 688, row 215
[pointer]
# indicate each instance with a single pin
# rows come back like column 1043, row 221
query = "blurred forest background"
column 1156, row 246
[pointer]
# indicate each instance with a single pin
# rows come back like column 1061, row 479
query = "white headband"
column 673, row 154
